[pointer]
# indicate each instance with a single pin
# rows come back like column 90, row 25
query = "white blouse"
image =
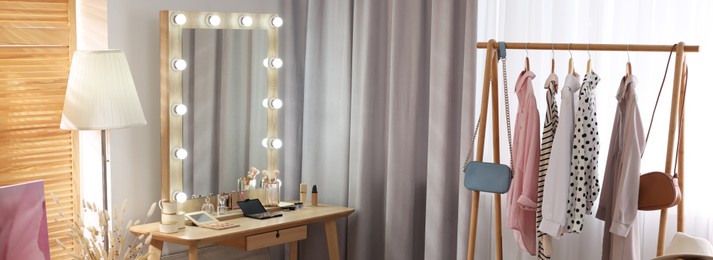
column 555, row 194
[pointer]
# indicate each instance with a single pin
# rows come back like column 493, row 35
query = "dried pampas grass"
column 90, row 239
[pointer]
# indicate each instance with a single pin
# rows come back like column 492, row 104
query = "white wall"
column 133, row 26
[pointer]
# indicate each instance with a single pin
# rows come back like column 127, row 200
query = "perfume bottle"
column 207, row 206
column 223, row 204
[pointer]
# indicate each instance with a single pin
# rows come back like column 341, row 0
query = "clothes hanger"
column 553, row 67
column 571, row 60
column 527, row 58
column 589, row 61
column 628, row 62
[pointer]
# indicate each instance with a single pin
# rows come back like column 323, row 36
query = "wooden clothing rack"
column 491, row 61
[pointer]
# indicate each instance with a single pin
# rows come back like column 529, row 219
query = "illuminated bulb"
column 179, row 19
column 180, row 196
column 180, row 109
column 179, row 64
column 180, row 153
column 276, row 22
column 274, row 103
column 246, row 21
column 276, row 63
column 213, row 20
column 276, row 143
column 272, row 143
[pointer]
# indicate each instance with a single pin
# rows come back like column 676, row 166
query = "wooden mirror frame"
column 171, row 35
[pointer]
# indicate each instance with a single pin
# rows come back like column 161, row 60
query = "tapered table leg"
column 155, row 249
column 330, row 230
column 293, row 250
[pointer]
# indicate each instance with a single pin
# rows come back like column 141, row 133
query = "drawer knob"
column 277, row 234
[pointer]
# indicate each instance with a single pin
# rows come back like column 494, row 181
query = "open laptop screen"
column 250, row 207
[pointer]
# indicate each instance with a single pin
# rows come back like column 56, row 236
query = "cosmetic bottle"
column 315, row 200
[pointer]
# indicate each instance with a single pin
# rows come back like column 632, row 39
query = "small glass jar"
column 246, row 183
column 207, row 206
column 222, row 202
column 271, row 188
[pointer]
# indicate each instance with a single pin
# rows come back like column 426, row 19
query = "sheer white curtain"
column 627, row 22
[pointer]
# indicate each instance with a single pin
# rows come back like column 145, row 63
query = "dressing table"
column 254, row 233
column 224, row 67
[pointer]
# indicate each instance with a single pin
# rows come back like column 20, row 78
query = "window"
column 36, row 41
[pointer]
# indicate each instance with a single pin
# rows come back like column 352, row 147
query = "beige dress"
column 618, row 204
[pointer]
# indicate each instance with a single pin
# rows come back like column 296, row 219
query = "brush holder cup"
column 271, row 189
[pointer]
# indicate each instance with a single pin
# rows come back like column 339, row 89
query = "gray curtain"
column 223, row 87
column 379, row 114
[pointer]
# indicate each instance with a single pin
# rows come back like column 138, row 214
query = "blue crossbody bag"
column 485, row 176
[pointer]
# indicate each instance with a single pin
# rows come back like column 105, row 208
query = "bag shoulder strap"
column 501, row 56
column 684, row 86
column 656, row 105
column 507, row 110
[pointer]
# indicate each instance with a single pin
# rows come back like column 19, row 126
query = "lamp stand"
column 105, row 175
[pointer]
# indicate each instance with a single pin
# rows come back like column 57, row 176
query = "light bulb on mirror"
column 213, row 20
column 180, row 153
column 179, row 19
column 179, row 64
column 246, row 21
column 274, row 103
column 276, row 143
column 274, row 63
column 180, row 109
column 272, row 143
column 276, row 21
column 179, row 196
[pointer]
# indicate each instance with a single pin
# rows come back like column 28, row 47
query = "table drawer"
column 278, row 237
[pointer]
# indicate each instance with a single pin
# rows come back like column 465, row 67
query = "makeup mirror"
column 219, row 99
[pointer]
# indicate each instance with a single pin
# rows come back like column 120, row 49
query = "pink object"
column 526, row 164
column 23, row 229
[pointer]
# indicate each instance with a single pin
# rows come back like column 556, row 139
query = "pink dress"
column 526, row 162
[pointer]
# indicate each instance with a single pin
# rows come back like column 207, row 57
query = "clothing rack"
column 491, row 60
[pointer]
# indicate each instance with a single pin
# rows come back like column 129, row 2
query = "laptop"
column 252, row 208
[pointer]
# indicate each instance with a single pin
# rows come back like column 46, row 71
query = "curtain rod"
column 587, row 46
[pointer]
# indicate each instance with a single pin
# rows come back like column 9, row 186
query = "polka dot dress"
column 584, row 181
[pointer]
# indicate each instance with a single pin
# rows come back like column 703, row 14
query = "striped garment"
column 548, row 134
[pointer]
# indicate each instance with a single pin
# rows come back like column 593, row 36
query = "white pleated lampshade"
column 100, row 93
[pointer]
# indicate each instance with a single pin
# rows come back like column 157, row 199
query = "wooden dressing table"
column 254, row 233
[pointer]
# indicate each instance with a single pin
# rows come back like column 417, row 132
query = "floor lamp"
column 100, row 96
